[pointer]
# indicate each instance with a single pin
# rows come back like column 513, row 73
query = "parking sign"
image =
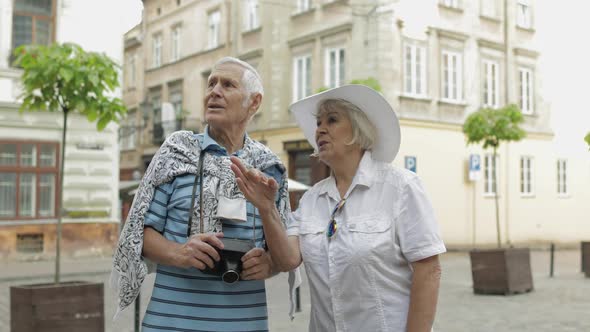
column 474, row 167
column 410, row 163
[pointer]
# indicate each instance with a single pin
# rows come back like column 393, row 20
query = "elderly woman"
column 189, row 201
column 367, row 234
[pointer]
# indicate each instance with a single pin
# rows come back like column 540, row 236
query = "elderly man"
column 189, row 201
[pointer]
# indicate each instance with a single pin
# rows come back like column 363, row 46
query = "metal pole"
column 297, row 300
column 137, row 309
column 551, row 260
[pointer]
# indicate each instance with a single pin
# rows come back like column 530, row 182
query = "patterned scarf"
column 178, row 155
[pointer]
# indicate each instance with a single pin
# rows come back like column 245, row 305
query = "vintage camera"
column 229, row 266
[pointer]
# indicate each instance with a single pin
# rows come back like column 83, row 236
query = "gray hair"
column 363, row 131
column 250, row 78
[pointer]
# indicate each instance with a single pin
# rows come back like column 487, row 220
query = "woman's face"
column 333, row 132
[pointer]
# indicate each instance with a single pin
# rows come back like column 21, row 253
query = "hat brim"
column 371, row 102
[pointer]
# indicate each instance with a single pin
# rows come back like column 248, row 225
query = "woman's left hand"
column 258, row 189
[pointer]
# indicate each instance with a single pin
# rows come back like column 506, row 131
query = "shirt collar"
column 210, row 144
column 364, row 177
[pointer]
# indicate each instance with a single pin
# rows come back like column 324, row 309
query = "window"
column 526, row 90
column 33, row 22
column 526, row 176
column 562, row 177
column 157, row 51
column 175, row 43
column 523, row 14
column 176, row 99
column 251, row 20
column 29, row 243
column 491, row 166
column 301, row 77
column 452, row 76
column 415, row 70
column 335, row 67
column 214, row 20
column 303, row 5
column 491, row 84
column 127, row 132
column 28, row 175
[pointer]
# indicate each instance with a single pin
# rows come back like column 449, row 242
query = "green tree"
column 587, row 139
column 370, row 82
column 491, row 127
column 64, row 77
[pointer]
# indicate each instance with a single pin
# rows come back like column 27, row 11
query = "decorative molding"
column 490, row 18
column 257, row 53
column 456, row 35
column 303, row 13
column 490, row 44
column 252, row 31
column 526, row 52
column 425, row 99
column 333, row 3
column 451, row 9
column 320, row 34
column 189, row 56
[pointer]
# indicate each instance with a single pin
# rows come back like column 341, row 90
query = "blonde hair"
column 363, row 131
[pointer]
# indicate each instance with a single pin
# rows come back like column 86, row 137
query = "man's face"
column 224, row 97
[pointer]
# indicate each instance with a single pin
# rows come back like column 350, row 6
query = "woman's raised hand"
column 258, row 189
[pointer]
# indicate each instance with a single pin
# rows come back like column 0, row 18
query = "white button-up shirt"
column 360, row 279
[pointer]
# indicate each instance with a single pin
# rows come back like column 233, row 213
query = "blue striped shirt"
column 187, row 299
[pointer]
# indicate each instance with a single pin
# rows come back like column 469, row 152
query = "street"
column 557, row 304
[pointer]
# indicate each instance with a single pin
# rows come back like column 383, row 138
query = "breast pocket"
column 371, row 235
column 312, row 242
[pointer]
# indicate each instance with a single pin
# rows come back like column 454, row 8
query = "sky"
column 564, row 62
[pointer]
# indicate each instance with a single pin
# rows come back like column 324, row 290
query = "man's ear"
column 255, row 101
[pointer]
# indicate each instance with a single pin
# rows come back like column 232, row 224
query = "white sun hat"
column 371, row 102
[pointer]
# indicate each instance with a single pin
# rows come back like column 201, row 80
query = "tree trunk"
column 496, row 198
column 60, row 198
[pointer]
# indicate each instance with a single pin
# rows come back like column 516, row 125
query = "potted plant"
column 63, row 77
column 502, row 270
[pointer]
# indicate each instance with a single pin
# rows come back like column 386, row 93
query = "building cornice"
column 456, row 35
column 184, row 58
column 490, row 44
column 251, row 54
column 6, row 105
column 10, row 72
column 526, row 52
column 319, row 34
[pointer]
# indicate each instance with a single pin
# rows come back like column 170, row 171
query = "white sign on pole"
column 474, row 167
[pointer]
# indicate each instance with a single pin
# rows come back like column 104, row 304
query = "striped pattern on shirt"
column 187, row 299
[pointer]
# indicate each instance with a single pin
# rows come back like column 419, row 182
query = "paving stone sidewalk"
column 561, row 303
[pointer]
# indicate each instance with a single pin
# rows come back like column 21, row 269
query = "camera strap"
column 199, row 180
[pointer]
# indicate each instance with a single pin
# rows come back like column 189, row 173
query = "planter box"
column 67, row 306
column 586, row 258
column 501, row 271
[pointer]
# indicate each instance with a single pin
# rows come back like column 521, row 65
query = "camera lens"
column 231, row 276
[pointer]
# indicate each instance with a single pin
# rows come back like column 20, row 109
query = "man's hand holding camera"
column 199, row 251
column 256, row 265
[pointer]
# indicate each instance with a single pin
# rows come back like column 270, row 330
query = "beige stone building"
column 436, row 62
column 30, row 153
